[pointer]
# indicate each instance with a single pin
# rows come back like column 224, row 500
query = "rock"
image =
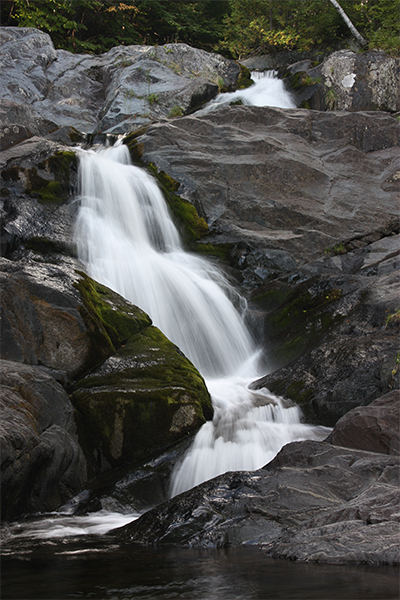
column 42, row 464
column 39, row 181
column 139, row 401
column 349, row 81
column 314, row 502
column 292, row 180
column 113, row 92
column 281, row 60
column 334, row 330
column 132, row 488
column 375, row 428
column 145, row 395
column 41, row 317
column 14, row 119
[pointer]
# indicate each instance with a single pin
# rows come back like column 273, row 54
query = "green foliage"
column 338, row 249
column 330, row 99
column 265, row 26
column 176, row 111
column 236, row 28
column 153, row 99
column 393, row 318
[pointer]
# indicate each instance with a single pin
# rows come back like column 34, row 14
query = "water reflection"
column 101, row 568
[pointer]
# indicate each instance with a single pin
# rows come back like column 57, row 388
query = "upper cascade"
column 129, row 242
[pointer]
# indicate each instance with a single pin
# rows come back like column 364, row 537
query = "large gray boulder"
column 313, row 502
column 113, row 92
column 375, row 427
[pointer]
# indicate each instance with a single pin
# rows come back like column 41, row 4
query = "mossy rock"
column 51, row 181
column 142, row 399
column 192, row 227
column 244, row 80
column 110, row 319
column 298, row 317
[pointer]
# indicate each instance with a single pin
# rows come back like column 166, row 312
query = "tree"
column 349, row 24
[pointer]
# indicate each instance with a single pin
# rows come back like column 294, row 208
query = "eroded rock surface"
column 112, row 92
column 352, row 81
column 281, row 185
column 314, row 501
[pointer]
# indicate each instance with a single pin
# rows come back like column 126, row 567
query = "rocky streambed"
column 300, row 206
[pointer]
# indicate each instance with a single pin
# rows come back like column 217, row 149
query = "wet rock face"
column 144, row 396
column 314, row 501
column 42, row 464
column 332, row 332
column 114, row 92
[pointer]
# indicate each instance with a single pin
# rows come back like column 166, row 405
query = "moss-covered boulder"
column 140, row 400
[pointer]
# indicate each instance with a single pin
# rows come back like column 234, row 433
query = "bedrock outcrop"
column 112, row 92
column 347, row 80
column 304, row 206
column 314, row 501
column 317, row 501
column 281, row 185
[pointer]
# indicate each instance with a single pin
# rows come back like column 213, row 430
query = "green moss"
column 297, row 319
column 131, row 405
column 221, row 251
column 191, row 225
column 109, row 315
column 75, row 136
column 271, row 298
column 176, row 111
column 42, row 245
column 50, row 182
column 244, row 80
column 300, row 393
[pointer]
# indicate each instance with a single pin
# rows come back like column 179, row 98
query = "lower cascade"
column 128, row 241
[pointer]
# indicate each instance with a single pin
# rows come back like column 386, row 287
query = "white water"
column 128, row 242
column 58, row 525
column 267, row 90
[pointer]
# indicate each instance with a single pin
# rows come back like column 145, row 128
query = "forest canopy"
column 235, row 28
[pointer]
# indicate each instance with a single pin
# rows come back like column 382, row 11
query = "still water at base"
column 100, row 567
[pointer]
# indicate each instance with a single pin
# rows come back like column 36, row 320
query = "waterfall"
column 128, row 241
column 268, row 90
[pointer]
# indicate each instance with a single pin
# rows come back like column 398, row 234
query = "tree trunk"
column 349, row 24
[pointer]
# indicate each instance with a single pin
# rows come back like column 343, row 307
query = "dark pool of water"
column 99, row 567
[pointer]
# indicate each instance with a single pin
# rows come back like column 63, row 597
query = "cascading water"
column 129, row 243
column 268, row 90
